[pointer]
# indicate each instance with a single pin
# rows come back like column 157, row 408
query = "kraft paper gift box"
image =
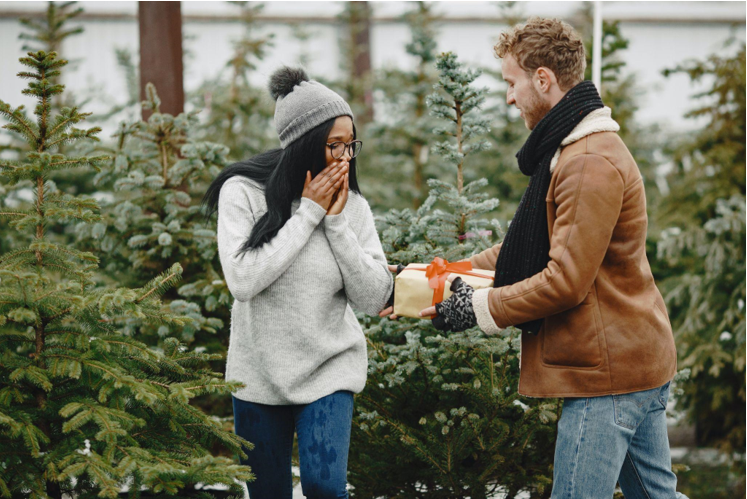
column 421, row 285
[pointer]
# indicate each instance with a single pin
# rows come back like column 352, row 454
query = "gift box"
column 422, row 285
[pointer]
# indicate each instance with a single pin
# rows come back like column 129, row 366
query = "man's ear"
column 545, row 79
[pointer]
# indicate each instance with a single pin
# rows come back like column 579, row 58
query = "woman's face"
column 342, row 131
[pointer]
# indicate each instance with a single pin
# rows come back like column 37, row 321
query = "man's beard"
column 535, row 109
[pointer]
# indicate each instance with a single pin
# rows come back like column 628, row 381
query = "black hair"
column 282, row 173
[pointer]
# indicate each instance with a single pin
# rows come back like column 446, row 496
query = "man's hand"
column 431, row 311
column 456, row 313
column 390, row 309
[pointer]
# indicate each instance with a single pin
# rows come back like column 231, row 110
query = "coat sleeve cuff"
column 482, row 311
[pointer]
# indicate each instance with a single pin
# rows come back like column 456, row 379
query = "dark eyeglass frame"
column 348, row 146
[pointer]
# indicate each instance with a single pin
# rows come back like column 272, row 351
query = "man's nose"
column 510, row 98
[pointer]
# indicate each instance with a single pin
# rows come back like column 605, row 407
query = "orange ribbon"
column 438, row 271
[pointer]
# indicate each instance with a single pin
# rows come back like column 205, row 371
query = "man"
column 572, row 274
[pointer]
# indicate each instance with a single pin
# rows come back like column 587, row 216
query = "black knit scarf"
column 526, row 247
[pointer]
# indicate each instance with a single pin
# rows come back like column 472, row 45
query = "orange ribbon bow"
column 437, row 273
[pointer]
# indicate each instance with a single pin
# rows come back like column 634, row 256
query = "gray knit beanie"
column 302, row 104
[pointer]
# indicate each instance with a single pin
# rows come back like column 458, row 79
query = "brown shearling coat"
column 606, row 328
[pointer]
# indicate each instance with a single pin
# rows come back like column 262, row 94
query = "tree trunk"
column 161, row 54
column 360, row 27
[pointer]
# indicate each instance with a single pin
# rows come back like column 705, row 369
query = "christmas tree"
column 440, row 416
column 158, row 174
column 86, row 411
column 702, row 253
column 157, row 171
column 237, row 113
column 49, row 33
column 395, row 175
column 622, row 94
column 45, row 33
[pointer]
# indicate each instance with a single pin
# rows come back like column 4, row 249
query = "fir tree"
column 237, row 113
column 49, row 32
column 45, row 33
column 703, row 249
column 621, row 93
column 84, row 409
column 440, row 416
column 158, row 174
column 400, row 138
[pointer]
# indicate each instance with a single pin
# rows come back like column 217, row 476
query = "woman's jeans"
column 603, row 440
column 323, row 429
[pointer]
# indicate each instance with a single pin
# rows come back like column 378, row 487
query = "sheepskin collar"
column 596, row 121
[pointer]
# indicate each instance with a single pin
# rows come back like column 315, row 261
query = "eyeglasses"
column 338, row 148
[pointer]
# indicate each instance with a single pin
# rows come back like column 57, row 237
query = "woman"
column 298, row 247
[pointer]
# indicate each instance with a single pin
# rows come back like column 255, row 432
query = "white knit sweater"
column 294, row 337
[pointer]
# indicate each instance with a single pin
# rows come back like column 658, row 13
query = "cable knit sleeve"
column 366, row 277
column 248, row 273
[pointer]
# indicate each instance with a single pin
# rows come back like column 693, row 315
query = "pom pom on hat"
column 285, row 79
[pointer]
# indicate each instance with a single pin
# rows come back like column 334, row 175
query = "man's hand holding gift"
column 456, row 312
column 431, row 284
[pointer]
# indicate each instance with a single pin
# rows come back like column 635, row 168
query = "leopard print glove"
column 456, row 313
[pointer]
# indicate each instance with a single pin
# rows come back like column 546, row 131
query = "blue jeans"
column 616, row 438
column 323, row 429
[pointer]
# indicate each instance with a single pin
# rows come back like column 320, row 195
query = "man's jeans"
column 323, row 429
column 603, row 440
